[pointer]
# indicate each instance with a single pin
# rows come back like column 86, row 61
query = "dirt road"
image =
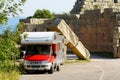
column 96, row 69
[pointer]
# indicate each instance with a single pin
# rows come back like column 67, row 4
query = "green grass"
column 69, row 61
column 8, row 71
column 13, row 75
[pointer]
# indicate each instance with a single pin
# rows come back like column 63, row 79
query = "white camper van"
column 43, row 51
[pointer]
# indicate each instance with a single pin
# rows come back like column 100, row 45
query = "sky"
column 56, row 6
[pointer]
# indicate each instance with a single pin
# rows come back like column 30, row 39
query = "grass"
column 8, row 71
column 13, row 75
column 69, row 61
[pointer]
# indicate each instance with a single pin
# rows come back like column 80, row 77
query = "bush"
column 8, row 43
column 8, row 53
column 13, row 75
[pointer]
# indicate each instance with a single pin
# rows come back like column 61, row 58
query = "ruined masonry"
column 82, row 5
column 58, row 25
column 116, row 41
column 95, row 22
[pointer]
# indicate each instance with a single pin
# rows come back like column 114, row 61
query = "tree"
column 8, row 44
column 43, row 14
column 9, row 8
column 8, row 50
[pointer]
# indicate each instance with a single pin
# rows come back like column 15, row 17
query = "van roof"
column 38, row 37
column 39, row 34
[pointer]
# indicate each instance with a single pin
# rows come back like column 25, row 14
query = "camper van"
column 43, row 51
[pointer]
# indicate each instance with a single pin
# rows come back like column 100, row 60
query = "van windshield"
column 37, row 49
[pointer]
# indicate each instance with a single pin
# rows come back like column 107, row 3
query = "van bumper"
column 38, row 66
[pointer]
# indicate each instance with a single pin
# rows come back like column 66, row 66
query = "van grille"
column 35, row 62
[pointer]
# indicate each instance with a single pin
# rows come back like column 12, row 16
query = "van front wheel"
column 51, row 70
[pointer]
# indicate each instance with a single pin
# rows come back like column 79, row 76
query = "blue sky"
column 56, row 6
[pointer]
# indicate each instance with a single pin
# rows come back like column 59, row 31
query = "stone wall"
column 34, row 25
column 93, row 21
column 81, row 5
column 33, row 21
column 94, row 29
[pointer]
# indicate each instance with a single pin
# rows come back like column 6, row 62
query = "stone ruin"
column 96, row 25
column 82, row 5
column 95, row 22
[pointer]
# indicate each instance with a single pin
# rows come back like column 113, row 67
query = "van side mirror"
column 22, row 54
column 54, row 54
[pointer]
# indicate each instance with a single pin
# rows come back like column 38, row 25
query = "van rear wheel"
column 58, row 68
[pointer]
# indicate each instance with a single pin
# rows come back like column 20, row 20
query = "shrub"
column 8, row 53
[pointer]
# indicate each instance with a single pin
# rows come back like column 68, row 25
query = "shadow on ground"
column 93, row 55
column 35, row 72
column 101, row 55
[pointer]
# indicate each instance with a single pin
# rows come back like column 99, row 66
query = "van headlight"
column 26, row 62
column 44, row 62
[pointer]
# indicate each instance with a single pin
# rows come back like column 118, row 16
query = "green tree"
column 8, row 49
column 8, row 53
column 8, row 42
column 10, row 8
column 43, row 14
